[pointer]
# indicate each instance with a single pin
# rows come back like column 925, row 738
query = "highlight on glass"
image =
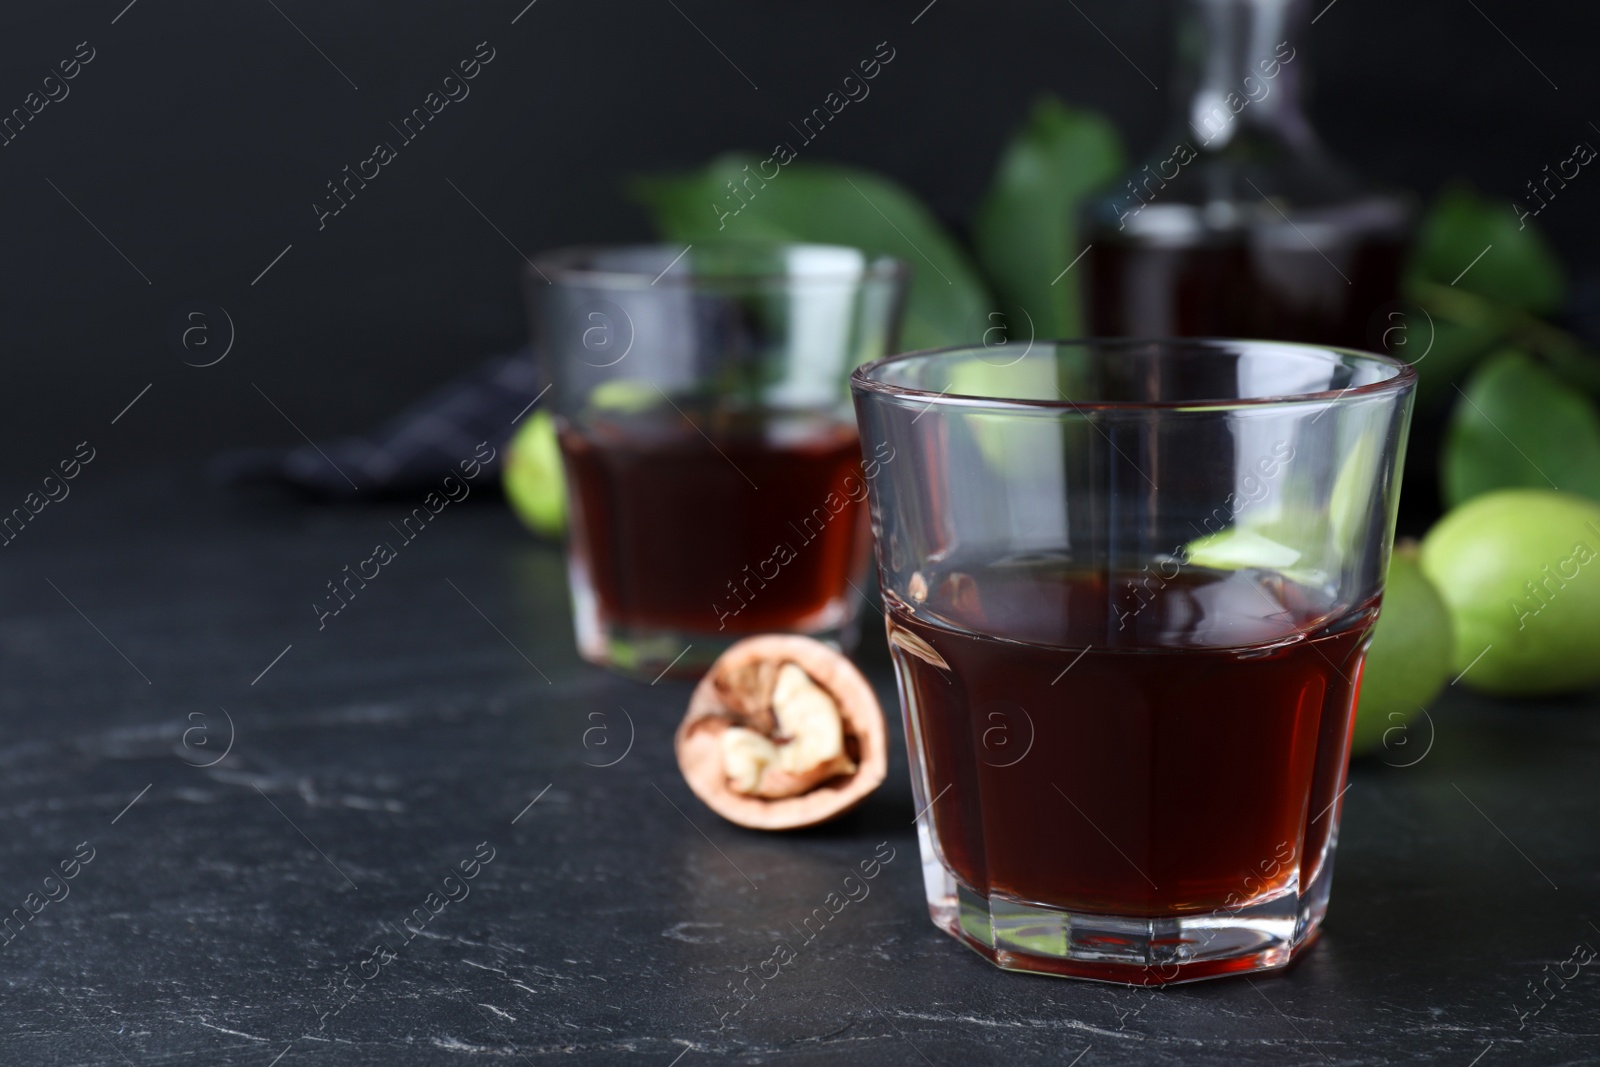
column 1128, row 588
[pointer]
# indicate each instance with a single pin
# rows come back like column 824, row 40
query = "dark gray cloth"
column 410, row 452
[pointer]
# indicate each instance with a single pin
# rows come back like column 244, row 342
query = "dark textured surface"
column 617, row 910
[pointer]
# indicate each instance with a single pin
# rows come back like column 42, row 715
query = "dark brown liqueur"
column 718, row 523
column 1200, row 741
column 1236, row 288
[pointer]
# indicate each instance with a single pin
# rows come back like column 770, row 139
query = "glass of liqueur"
column 1129, row 587
column 714, row 475
column 1242, row 224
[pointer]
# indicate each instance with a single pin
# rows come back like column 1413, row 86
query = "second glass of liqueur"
column 714, row 475
column 1243, row 225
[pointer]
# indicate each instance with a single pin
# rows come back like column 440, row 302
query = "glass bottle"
column 1245, row 225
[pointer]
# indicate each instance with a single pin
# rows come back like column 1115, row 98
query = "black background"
column 202, row 133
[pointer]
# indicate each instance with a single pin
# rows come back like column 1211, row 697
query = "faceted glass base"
column 650, row 654
column 1262, row 935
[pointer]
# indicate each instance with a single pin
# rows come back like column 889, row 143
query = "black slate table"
column 250, row 806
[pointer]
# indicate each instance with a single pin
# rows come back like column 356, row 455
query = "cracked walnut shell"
column 783, row 732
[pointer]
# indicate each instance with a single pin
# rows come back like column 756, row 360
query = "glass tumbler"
column 1129, row 586
column 713, row 469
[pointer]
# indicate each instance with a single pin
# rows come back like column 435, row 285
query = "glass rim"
column 1405, row 376
column 562, row 263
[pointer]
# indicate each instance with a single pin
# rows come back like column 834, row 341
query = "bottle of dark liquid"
column 1243, row 225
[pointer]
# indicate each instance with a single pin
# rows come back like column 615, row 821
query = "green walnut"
column 1520, row 572
column 1409, row 659
column 532, row 476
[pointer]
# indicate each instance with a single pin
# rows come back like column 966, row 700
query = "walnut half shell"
column 783, row 732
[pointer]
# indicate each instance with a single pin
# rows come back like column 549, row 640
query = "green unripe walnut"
column 533, row 479
column 1520, row 572
column 1408, row 661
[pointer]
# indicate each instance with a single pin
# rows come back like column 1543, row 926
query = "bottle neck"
column 1241, row 66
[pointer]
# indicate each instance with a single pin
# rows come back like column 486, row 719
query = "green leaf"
column 1518, row 425
column 1026, row 231
column 1574, row 366
column 833, row 205
column 1456, row 347
column 1456, row 330
column 1517, row 266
